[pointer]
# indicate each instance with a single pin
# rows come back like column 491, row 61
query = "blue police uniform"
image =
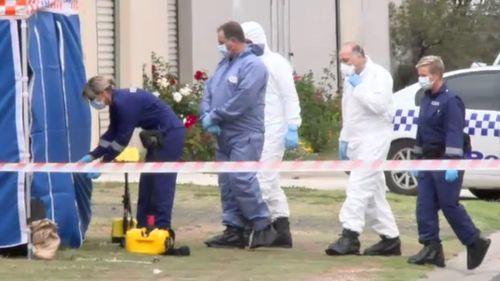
column 135, row 108
column 235, row 98
column 440, row 136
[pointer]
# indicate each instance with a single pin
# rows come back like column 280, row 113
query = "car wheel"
column 401, row 182
column 486, row 194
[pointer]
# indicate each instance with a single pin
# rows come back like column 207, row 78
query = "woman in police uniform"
column 440, row 136
column 163, row 136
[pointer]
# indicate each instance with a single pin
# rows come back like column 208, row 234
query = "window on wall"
column 106, row 49
column 173, row 38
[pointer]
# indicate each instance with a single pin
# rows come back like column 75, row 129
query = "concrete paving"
column 456, row 268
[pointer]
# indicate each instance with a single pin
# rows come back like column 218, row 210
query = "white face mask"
column 97, row 104
column 222, row 50
column 347, row 69
column 425, row 82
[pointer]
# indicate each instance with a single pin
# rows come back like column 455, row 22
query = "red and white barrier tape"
column 229, row 167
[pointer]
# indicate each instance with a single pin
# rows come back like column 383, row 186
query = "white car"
column 479, row 88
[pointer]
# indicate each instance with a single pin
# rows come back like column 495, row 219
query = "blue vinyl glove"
column 93, row 175
column 214, row 130
column 292, row 137
column 450, row 175
column 206, row 121
column 414, row 173
column 343, row 150
column 86, row 159
column 354, row 80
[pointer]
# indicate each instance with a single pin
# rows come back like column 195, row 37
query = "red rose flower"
column 173, row 82
column 190, row 121
column 200, row 75
column 297, row 77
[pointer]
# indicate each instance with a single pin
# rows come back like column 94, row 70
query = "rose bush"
column 184, row 101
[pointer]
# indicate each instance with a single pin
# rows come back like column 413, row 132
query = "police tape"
column 234, row 167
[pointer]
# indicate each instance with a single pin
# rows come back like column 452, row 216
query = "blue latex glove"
column 292, row 137
column 93, row 175
column 343, row 150
column 86, row 159
column 451, row 175
column 414, row 173
column 206, row 121
column 354, row 80
column 214, row 130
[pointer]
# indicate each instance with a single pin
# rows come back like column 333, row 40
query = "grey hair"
column 355, row 48
column 96, row 85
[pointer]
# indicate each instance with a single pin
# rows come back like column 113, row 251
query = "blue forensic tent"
column 50, row 122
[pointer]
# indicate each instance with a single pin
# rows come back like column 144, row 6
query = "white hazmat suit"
column 282, row 109
column 367, row 128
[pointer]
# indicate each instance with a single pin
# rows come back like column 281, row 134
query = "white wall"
column 367, row 23
column 310, row 38
column 312, row 35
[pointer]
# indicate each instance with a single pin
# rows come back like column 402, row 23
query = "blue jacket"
column 129, row 109
column 235, row 95
column 441, row 123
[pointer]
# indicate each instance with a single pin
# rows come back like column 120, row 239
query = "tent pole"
column 26, row 127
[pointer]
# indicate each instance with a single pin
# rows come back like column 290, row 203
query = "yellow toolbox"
column 145, row 241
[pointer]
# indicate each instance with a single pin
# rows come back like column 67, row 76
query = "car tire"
column 486, row 194
column 401, row 182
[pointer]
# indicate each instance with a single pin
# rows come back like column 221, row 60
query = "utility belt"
column 438, row 152
column 151, row 139
column 433, row 153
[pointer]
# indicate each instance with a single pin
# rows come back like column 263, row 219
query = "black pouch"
column 151, row 139
column 467, row 144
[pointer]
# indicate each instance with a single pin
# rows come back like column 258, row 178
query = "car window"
column 478, row 90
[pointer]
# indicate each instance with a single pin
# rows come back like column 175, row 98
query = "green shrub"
column 320, row 115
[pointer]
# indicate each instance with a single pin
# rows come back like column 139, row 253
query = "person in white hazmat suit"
column 282, row 120
column 366, row 135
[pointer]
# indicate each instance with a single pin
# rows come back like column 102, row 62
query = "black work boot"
column 232, row 237
column 476, row 252
column 263, row 238
column 431, row 253
column 385, row 247
column 347, row 244
column 282, row 227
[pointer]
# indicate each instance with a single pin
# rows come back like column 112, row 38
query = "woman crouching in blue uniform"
column 163, row 136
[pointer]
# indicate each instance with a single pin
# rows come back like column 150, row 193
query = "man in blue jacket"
column 233, row 110
column 129, row 109
column 440, row 135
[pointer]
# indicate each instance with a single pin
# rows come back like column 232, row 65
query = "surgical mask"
column 97, row 104
column 222, row 50
column 425, row 82
column 347, row 69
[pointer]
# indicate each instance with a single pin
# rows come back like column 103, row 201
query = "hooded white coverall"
column 282, row 109
column 367, row 128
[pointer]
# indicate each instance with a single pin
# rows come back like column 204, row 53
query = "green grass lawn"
column 197, row 216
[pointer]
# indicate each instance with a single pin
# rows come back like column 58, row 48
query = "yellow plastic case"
column 154, row 242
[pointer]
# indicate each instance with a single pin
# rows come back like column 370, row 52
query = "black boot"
column 282, row 226
column 347, row 244
column 385, row 247
column 476, row 252
column 232, row 237
column 263, row 238
column 431, row 253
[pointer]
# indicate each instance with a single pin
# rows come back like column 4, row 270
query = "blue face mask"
column 222, row 50
column 97, row 104
column 425, row 82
